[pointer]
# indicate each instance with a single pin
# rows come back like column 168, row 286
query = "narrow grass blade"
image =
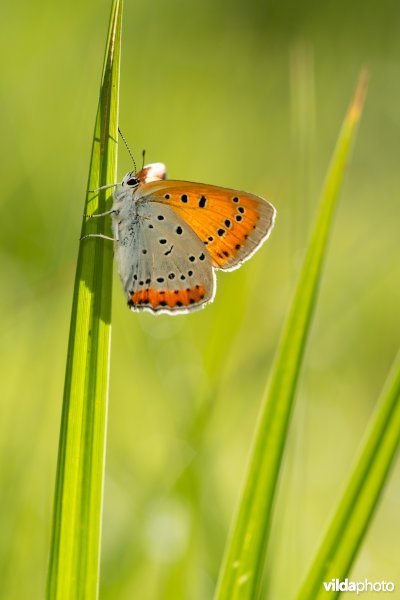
column 75, row 543
column 356, row 508
column 244, row 559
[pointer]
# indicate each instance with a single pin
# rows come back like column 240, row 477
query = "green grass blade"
column 75, row 543
column 356, row 508
column 244, row 559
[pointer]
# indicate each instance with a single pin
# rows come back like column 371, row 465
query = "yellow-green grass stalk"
column 353, row 514
column 242, row 568
column 75, row 542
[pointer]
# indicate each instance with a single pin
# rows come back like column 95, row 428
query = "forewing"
column 230, row 224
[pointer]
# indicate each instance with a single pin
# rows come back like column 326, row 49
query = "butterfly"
column 170, row 237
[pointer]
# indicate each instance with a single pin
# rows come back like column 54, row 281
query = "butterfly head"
column 130, row 180
column 153, row 172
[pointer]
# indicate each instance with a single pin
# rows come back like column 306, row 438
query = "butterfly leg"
column 102, row 236
column 103, row 187
column 97, row 235
column 104, row 214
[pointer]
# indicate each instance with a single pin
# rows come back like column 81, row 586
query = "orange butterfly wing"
column 231, row 224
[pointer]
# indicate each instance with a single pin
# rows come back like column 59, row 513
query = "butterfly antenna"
column 143, row 155
column 127, row 147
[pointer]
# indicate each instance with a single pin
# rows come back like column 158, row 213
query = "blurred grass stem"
column 242, row 569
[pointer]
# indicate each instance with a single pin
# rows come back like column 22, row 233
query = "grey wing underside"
column 162, row 263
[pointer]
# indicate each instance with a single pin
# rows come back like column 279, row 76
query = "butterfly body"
column 170, row 236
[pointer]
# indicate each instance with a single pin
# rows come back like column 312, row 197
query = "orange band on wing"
column 167, row 298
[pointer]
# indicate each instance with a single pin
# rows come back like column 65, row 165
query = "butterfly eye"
column 132, row 181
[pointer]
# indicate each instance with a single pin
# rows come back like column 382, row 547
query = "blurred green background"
column 241, row 94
